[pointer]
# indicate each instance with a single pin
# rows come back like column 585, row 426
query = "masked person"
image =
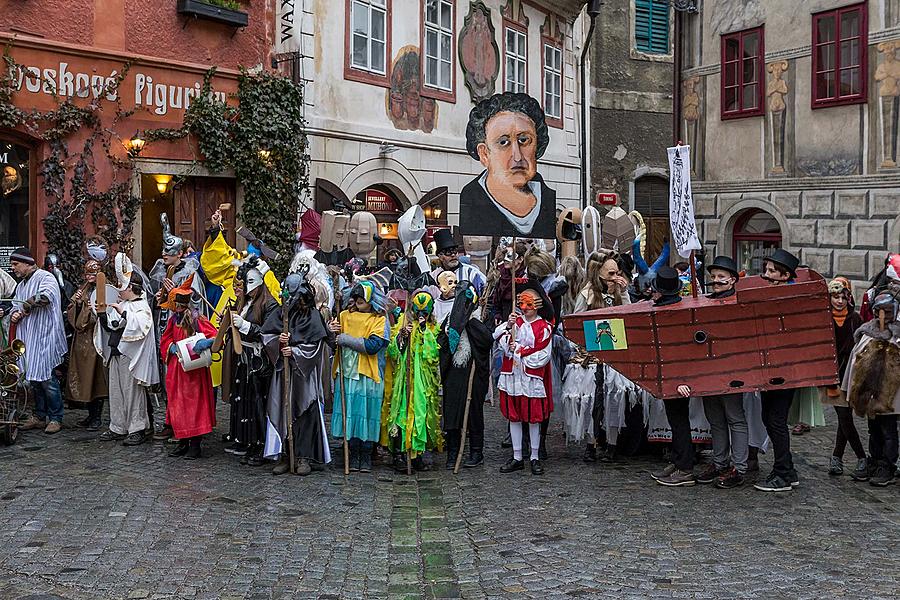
column 725, row 412
column 191, row 409
column 465, row 344
column 306, row 346
column 845, row 321
column 779, row 269
column 415, row 417
column 252, row 369
column 125, row 338
column 872, row 385
column 38, row 319
column 86, row 380
column 361, row 340
column 526, row 395
column 448, row 255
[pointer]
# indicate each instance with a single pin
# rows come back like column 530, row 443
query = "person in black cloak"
column 252, row 368
column 464, row 340
column 305, row 346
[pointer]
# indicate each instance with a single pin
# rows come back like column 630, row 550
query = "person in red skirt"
column 191, row 409
column 525, row 381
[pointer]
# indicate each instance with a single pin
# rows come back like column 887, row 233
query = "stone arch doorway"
column 755, row 235
column 651, row 199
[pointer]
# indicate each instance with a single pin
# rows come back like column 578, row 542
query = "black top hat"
column 785, row 259
column 667, row 282
column 724, row 263
column 444, row 240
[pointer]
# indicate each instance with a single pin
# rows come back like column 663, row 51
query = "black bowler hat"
column 444, row 240
column 724, row 263
column 667, row 282
column 785, row 259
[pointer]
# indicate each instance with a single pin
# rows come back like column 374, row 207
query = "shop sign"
column 45, row 72
column 380, row 202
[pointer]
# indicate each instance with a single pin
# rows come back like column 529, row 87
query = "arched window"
column 756, row 235
column 651, row 199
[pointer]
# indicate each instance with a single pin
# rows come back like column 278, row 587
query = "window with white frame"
column 516, row 60
column 553, row 81
column 368, row 44
column 439, row 44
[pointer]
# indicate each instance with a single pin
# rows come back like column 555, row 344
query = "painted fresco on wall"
column 776, row 92
column 479, row 55
column 508, row 134
column 887, row 76
column 406, row 106
column 691, row 112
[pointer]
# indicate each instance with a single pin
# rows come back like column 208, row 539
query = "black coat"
column 456, row 379
column 479, row 216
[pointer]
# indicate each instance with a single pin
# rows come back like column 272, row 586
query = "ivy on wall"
column 261, row 140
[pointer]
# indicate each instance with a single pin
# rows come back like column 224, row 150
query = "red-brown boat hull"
column 765, row 337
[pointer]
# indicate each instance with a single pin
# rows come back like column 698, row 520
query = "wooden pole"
column 693, row 274
column 465, row 427
column 286, row 390
column 339, row 356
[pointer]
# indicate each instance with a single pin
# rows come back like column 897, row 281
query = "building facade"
column 632, row 70
column 390, row 84
column 71, row 50
column 791, row 109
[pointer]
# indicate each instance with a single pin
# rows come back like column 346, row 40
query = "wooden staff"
column 409, row 379
column 339, row 357
column 465, row 427
column 693, row 275
column 286, row 390
column 100, row 302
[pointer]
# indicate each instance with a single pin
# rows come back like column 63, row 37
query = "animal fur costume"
column 872, row 381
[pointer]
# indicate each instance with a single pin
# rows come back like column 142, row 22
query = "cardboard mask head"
column 618, row 230
column 362, row 233
column 334, row 231
column 590, row 230
column 447, row 281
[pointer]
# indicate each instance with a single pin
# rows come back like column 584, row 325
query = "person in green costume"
column 416, row 427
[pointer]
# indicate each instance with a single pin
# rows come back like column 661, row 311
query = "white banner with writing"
column 681, row 203
column 288, row 15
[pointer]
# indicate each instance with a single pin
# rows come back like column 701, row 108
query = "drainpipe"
column 593, row 12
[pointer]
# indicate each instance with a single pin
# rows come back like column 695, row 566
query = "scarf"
column 840, row 316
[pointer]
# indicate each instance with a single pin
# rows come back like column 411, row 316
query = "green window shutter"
column 651, row 26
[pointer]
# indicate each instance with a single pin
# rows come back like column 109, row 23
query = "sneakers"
column 863, row 470
column 708, row 473
column 793, row 478
column 236, row 449
column 731, row 478
column 476, row 458
column 512, row 465
column 33, row 423
column 664, row 473
column 884, row 475
column 111, row 436
column 677, row 479
column 836, row 466
column 134, row 439
column 774, row 483
column 53, row 427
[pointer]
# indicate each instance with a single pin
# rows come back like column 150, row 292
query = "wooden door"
column 196, row 199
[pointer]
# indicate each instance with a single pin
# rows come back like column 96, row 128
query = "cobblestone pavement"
column 87, row 519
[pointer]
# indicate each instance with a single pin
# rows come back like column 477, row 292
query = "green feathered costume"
column 418, row 429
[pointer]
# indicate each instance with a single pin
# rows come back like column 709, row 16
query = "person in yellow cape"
column 362, row 340
column 220, row 263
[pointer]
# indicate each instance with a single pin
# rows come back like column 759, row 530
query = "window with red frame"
column 840, row 39
column 742, row 61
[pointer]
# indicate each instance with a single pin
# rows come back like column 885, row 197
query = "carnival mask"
column 528, row 300
column 422, row 305
column 172, row 244
column 447, row 281
column 96, row 249
column 362, row 233
column 334, row 231
column 363, row 290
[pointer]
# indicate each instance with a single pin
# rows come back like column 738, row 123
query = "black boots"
column 354, row 448
column 92, row 421
column 365, row 457
column 193, row 451
column 476, row 458
column 180, row 449
column 453, row 441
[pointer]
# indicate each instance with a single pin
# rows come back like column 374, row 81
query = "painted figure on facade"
column 888, row 75
column 776, row 90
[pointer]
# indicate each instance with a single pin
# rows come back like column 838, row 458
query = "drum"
column 189, row 359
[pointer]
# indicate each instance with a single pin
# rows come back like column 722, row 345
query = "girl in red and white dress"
column 525, row 378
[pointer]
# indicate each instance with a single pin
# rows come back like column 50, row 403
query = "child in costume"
column 416, row 426
column 358, row 375
column 525, row 384
column 191, row 409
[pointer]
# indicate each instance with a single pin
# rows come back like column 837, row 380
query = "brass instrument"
column 9, row 370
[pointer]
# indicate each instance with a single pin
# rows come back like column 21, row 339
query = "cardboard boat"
column 764, row 337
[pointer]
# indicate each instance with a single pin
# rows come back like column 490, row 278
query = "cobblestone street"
column 87, row 519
